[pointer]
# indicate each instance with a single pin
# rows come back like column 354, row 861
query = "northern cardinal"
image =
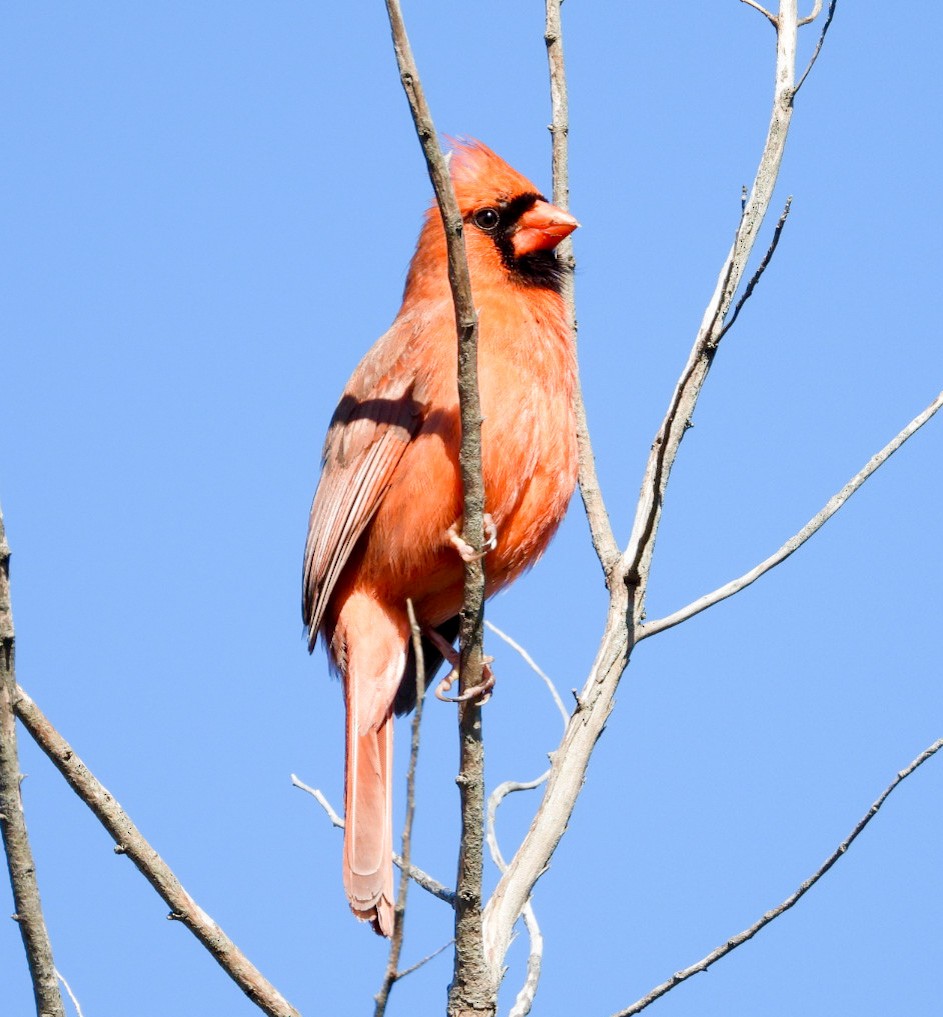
column 388, row 507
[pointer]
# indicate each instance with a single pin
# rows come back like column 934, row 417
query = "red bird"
column 388, row 508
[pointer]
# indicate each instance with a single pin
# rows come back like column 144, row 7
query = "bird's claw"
column 465, row 550
column 481, row 693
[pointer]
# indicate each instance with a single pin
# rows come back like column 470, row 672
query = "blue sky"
column 208, row 211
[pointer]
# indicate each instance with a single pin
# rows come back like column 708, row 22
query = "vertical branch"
column 471, row 983
column 22, row 869
column 599, row 526
column 638, row 554
column 629, row 577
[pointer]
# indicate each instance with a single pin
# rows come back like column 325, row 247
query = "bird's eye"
column 487, row 219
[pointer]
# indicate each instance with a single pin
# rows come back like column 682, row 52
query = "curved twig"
column 529, row 660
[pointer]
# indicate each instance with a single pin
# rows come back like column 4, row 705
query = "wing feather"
column 365, row 442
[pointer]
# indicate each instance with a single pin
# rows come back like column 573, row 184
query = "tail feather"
column 368, row 845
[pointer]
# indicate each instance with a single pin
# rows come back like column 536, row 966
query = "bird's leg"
column 465, row 550
column 481, row 692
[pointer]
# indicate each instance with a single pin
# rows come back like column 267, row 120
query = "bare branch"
column 638, row 554
column 319, row 796
column 818, row 46
column 628, row 583
column 155, row 870
column 742, row 937
column 467, row 989
column 816, row 11
column 767, row 258
column 425, row 960
column 534, row 667
column 525, row 997
column 796, row 541
column 19, row 853
column 392, row 972
column 599, row 525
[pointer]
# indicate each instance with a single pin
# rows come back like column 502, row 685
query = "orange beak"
column 541, row 228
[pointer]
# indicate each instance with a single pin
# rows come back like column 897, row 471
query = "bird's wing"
column 373, row 424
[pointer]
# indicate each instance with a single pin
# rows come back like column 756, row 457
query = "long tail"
column 368, row 834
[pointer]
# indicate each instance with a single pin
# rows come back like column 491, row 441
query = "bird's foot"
column 480, row 692
column 465, row 550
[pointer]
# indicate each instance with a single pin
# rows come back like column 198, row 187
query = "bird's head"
column 511, row 230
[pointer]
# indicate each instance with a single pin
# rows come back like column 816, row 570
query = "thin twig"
column 420, row 878
column 425, row 960
column 525, row 996
column 68, row 989
column 604, row 541
column 742, row 937
column 528, row 659
column 796, row 541
column 19, row 854
column 757, row 275
column 332, row 815
column 467, row 990
column 818, row 46
column 816, row 11
column 155, row 870
column 392, row 973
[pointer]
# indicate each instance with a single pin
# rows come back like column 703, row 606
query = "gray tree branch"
column 129, row 841
column 19, row 854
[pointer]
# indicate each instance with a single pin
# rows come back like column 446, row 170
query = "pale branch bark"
column 19, row 853
column 797, row 540
column 525, row 996
column 818, row 46
column 392, row 973
column 337, row 820
column 636, row 563
column 600, row 528
column 420, row 878
column 628, row 583
column 816, row 11
column 473, row 989
column 535, row 667
column 749, row 933
column 129, row 841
